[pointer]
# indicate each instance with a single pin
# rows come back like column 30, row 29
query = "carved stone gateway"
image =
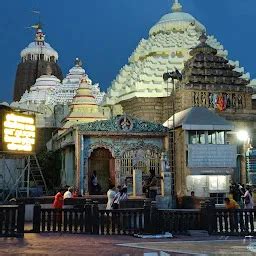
column 134, row 145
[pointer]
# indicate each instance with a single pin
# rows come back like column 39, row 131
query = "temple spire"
column 176, row 7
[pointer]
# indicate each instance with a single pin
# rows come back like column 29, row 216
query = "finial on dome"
column 176, row 7
column 203, row 38
column 78, row 62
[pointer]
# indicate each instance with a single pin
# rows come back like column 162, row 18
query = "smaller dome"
column 76, row 71
column 46, row 81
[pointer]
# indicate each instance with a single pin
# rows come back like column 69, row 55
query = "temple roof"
column 121, row 124
column 199, row 118
column 84, row 107
column 42, row 91
column 176, row 19
column 206, row 69
column 39, row 46
column 167, row 47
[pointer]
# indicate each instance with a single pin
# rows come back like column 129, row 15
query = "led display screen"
column 18, row 132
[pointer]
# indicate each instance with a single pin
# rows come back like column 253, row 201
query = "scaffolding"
column 20, row 176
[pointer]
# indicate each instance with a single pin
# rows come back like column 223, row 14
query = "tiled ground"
column 67, row 244
column 242, row 247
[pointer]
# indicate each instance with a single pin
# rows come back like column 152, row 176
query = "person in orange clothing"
column 58, row 199
column 231, row 203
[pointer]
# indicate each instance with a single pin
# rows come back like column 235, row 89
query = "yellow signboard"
column 18, row 132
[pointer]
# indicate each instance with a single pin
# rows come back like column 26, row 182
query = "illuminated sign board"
column 18, row 132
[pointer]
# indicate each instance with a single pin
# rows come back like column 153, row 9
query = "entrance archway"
column 102, row 161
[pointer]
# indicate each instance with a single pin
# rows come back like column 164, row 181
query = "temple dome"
column 43, row 91
column 166, row 48
column 46, row 81
column 39, row 47
column 35, row 49
column 176, row 21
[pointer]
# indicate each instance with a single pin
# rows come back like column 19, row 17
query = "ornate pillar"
column 82, row 165
column 117, row 171
column 77, row 160
column 85, row 177
column 165, row 201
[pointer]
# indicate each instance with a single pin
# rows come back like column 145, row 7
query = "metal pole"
column 173, row 134
column 28, row 176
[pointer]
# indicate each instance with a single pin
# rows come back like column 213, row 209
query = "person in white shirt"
column 111, row 195
column 68, row 193
column 120, row 196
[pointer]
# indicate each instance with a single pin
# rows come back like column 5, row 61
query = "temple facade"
column 36, row 58
column 113, row 148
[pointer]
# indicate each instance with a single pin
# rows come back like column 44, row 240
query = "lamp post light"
column 174, row 75
column 244, row 138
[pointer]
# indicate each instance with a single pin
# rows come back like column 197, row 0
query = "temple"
column 83, row 107
column 66, row 92
column 35, row 59
column 139, row 87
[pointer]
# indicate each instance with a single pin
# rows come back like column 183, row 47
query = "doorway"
column 102, row 161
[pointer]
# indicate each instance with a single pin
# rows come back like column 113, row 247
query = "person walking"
column 248, row 200
column 111, row 195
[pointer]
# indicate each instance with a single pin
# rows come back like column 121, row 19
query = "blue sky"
column 105, row 33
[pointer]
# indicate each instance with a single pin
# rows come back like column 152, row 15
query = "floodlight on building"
column 243, row 135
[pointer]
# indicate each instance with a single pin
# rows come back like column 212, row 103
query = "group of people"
column 62, row 194
column 116, row 196
column 242, row 197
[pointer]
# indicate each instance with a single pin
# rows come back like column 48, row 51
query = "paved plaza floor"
column 68, row 244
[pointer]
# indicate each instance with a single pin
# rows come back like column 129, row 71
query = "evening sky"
column 104, row 33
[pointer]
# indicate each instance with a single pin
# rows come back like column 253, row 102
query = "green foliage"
column 50, row 163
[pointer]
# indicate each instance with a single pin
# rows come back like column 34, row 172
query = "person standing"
column 68, row 193
column 96, row 188
column 120, row 196
column 248, row 200
column 152, row 185
column 58, row 199
column 111, row 195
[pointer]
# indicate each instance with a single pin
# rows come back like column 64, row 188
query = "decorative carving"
column 123, row 124
column 140, row 145
column 99, row 144
column 220, row 101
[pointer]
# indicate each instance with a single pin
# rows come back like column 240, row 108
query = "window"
column 218, row 197
column 196, row 137
column 218, row 183
column 216, row 137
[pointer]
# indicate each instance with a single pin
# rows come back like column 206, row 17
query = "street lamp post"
column 243, row 137
column 174, row 75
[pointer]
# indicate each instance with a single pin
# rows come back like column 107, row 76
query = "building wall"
column 150, row 109
column 68, row 166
